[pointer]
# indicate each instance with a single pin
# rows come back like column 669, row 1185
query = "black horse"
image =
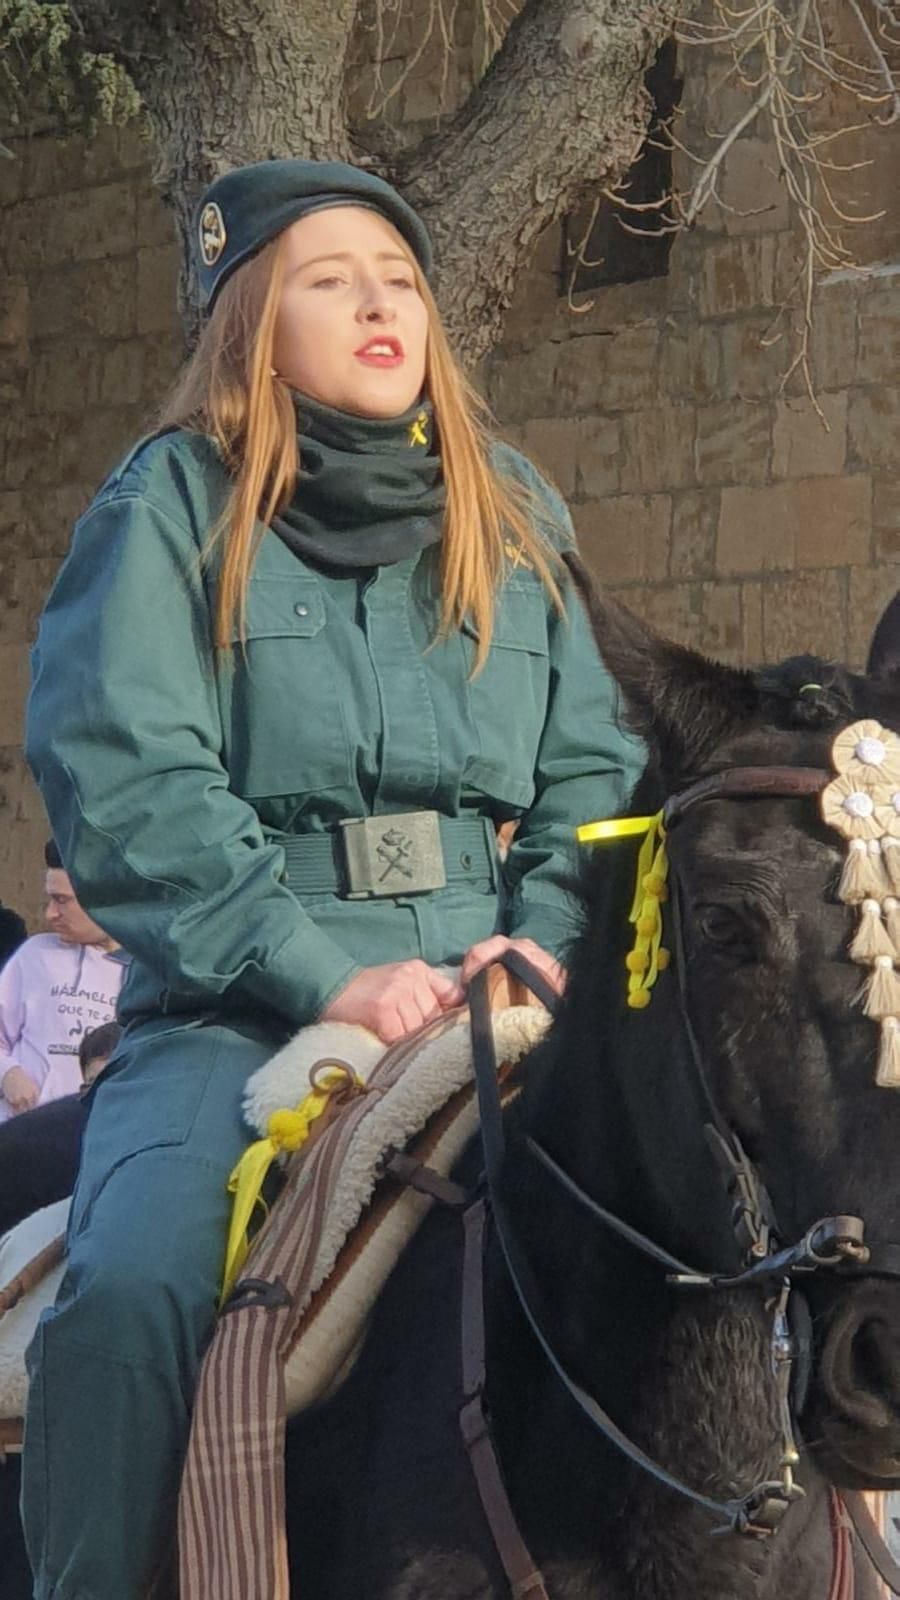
column 381, row 1495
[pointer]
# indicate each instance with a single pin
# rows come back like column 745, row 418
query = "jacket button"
column 302, row 611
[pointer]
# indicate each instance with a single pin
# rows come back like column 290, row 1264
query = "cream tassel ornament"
column 890, row 856
column 888, row 1074
column 872, row 938
column 863, row 876
column 890, row 911
column 882, row 996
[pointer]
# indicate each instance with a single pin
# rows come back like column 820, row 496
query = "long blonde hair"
column 228, row 390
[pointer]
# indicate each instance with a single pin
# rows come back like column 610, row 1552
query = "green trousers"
column 113, row 1366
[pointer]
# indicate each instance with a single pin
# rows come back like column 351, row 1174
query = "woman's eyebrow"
column 347, row 255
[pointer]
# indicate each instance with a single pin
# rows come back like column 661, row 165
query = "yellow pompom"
column 637, row 961
column 288, row 1129
column 654, row 885
column 663, row 958
column 638, row 999
column 646, row 926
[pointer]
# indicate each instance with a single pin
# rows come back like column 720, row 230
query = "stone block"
column 752, row 621
column 833, row 336
column 617, row 372
column 13, row 692
column 52, row 516
column 752, row 367
column 134, row 150
column 874, row 428
column 674, row 610
column 522, row 385
column 695, row 519
column 754, row 196
column 806, row 612
column 24, row 586
column 22, row 837
column 690, row 361
column 871, row 589
column 13, row 313
column 658, row 449
column 163, row 357
column 833, row 525
column 598, row 443
column 738, row 275
column 878, row 358
column 122, row 374
column 807, row 444
column 886, row 519
column 752, row 534
column 157, row 288
column 721, row 622
column 65, row 377
column 625, row 539
column 550, row 442
column 85, row 297
column 734, row 442
column 808, row 522
column 12, row 174
column 93, row 223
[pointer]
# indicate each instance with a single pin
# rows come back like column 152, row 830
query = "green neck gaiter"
column 370, row 490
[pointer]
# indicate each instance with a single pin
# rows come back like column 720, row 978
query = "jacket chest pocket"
column 509, row 697
column 288, row 733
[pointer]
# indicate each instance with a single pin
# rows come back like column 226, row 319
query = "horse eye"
column 720, row 925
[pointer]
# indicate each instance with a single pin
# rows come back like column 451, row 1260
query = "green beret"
column 247, row 207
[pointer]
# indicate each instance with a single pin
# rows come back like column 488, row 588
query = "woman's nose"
column 376, row 306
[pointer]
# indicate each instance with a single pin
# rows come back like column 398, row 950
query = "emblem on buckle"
column 393, row 855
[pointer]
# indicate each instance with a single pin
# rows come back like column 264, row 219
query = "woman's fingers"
column 488, row 950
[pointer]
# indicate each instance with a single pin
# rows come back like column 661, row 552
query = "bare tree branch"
column 561, row 108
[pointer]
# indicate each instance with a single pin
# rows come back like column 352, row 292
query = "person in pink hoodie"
column 53, row 989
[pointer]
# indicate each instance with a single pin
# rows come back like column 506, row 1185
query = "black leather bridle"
column 836, row 1245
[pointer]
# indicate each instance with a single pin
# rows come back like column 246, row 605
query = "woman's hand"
column 18, row 1090
column 483, row 953
column 395, row 999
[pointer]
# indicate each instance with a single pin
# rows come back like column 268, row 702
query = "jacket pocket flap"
column 281, row 609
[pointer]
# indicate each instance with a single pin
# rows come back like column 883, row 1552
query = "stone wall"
column 716, row 503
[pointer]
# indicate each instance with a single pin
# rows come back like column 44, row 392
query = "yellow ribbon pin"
column 417, row 434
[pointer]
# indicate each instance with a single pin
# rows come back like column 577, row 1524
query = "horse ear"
column 884, row 651
column 680, row 702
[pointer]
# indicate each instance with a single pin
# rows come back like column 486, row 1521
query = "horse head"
column 765, row 984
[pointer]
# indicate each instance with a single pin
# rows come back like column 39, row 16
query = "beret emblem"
column 212, row 234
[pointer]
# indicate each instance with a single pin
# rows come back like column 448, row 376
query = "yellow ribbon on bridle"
column 287, row 1130
column 647, row 956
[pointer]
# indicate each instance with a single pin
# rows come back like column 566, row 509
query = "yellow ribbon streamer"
column 287, row 1130
column 647, row 957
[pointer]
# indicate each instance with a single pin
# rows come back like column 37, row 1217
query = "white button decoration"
column 859, row 804
column 871, row 752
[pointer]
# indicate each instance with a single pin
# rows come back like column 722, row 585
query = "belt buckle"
column 396, row 854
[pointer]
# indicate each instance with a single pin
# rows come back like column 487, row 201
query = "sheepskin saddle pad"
column 424, row 1103
column 31, row 1270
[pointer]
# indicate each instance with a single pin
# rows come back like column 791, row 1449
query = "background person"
column 53, row 988
column 397, row 642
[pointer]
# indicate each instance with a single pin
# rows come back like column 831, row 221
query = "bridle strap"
column 747, row 783
column 523, row 1576
column 761, row 1510
column 869, row 1537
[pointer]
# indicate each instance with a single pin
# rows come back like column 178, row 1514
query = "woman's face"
column 352, row 327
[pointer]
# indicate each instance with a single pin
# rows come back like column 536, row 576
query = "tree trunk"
column 562, row 107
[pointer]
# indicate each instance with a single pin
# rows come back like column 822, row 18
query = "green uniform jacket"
column 171, row 784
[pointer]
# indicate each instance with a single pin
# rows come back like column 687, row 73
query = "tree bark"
column 562, row 107
column 224, row 82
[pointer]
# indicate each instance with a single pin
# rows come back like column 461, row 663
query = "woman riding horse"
column 312, row 646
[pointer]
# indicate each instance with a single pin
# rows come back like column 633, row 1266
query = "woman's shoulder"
column 548, row 506
column 175, row 471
